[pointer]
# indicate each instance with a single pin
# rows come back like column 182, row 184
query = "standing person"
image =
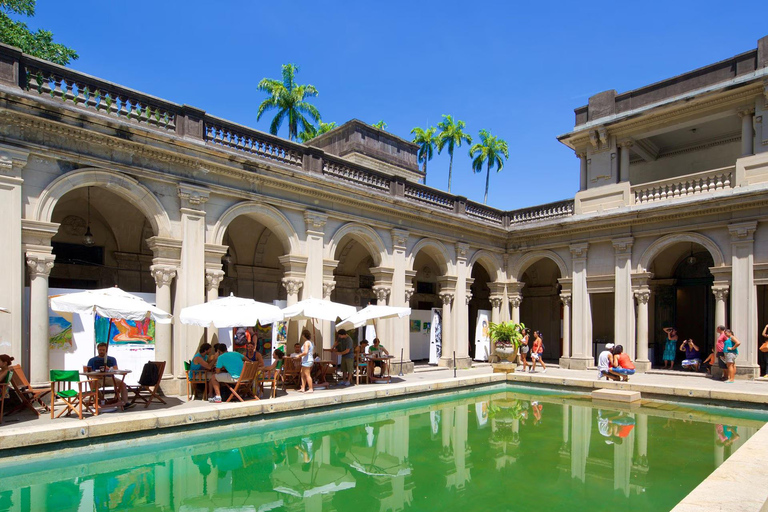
column 762, row 355
column 622, row 365
column 731, row 351
column 537, row 350
column 307, row 360
column 719, row 351
column 669, row 348
column 692, row 355
column 604, row 361
column 345, row 349
column 524, row 348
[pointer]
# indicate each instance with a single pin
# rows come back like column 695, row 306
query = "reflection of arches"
column 436, row 250
column 529, row 258
column 492, row 263
column 118, row 183
column 270, row 217
column 363, row 234
column 667, row 241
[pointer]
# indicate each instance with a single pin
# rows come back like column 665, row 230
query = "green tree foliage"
column 427, row 141
column 38, row 44
column 381, row 125
column 451, row 136
column 311, row 132
column 490, row 151
column 287, row 97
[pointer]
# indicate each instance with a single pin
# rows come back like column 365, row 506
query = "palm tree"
column 490, row 151
column 310, row 132
column 288, row 98
column 381, row 125
column 451, row 135
column 427, row 141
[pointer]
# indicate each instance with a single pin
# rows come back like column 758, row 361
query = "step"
column 616, row 395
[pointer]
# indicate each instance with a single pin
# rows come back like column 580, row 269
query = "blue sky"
column 515, row 70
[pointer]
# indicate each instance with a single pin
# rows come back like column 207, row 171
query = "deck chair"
column 195, row 377
column 291, row 371
column 361, row 369
column 148, row 393
column 63, row 392
column 27, row 394
column 244, row 384
column 4, row 386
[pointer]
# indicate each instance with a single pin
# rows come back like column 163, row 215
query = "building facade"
column 666, row 229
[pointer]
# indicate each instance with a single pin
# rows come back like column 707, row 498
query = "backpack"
column 149, row 374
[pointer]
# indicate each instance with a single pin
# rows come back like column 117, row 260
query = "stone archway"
column 267, row 215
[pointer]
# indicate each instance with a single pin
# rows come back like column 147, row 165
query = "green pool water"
column 501, row 449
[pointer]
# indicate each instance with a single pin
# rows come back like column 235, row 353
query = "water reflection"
column 428, row 457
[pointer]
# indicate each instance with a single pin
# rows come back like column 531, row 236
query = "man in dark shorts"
column 344, row 347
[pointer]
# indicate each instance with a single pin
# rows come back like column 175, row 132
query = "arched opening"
column 541, row 309
column 682, row 297
column 353, row 276
column 480, row 303
column 252, row 269
column 119, row 255
column 426, row 288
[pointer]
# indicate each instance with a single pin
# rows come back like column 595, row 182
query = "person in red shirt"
column 622, row 365
column 719, row 350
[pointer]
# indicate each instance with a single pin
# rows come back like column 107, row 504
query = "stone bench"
column 616, row 395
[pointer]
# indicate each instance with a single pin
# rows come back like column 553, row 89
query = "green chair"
column 3, row 392
column 64, row 393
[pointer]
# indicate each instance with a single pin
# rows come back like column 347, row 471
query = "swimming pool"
column 499, row 448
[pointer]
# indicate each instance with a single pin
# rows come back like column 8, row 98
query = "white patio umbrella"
column 317, row 309
column 109, row 303
column 231, row 312
column 369, row 314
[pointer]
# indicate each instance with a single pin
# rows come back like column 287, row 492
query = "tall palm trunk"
column 425, row 170
column 487, row 179
column 450, row 170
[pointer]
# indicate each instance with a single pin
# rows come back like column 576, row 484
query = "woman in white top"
column 307, row 360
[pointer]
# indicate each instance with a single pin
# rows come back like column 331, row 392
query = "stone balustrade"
column 682, row 186
column 479, row 211
column 430, row 196
column 543, row 212
column 223, row 133
column 357, row 175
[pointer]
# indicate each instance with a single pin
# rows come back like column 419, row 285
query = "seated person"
column 709, row 361
column 5, row 367
column 296, row 349
column 360, row 356
column 604, row 363
column 378, row 351
column 692, row 359
column 251, row 354
column 200, row 360
column 622, row 366
column 103, row 362
column 277, row 362
column 229, row 366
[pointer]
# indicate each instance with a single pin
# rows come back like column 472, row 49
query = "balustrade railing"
column 542, row 212
column 485, row 213
column 429, row 196
column 90, row 93
column 223, row 133
column 356, row 175
column 682, row 186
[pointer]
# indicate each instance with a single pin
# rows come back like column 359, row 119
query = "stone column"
column 461, row 308
column 40, row 265
column 190, row 285
column 747, row 133
column 292, row 288
column 496, row 303
column 400, row 283
column 582, row 170
column 163, row 276
column 11, row 254
column 565, row 298
column 382, row 289
column 295, row 273
column 624, row 304
column 721, row 297
column 314, row 223
column 447, row 294
column 581, row 342
column 744, row 296
column 624, row 163
column 329, row 284
column 642, row 364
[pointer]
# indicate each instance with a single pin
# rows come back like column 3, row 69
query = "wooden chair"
column 361, row 369
column 330, row 355
column 28, row 394
column 149, row 393
column 4, row 386
column 244, row 384
column 291, row 371
column 195, row 377
column 275, row 380
column 62, row 392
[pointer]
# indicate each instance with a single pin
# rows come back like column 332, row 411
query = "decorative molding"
column 565, row 298
column 408, row 294
column 720, row 292
column 623, row 246
column 213, row 279
column 40, row 264
column 446, row 297
column 462, row 249
column 315, row 222
column 468, row 297
column 643, row 296
column 193, row 196
column 496, row 302
column 399, row 239
column 382, row 293
column 292, row 285
column 743, row 231
column 163, row 275
column 328, row 287
column 746, row 112
column 579, row 251
column 516, row 300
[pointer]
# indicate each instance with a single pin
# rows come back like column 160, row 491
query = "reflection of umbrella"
column 109, row 303
column 370, row 313
column 236, row 500
column 311, row 309
column 373, row 462
column 231, row 312
column 320, row 479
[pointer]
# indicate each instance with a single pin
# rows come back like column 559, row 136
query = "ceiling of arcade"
column 252, row 244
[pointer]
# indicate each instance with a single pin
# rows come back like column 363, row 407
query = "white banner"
column 436, row 336
column 482, row 338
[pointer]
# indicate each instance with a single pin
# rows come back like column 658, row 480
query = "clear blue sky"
column 513, row 68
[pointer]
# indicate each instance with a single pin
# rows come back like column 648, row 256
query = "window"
column 75, row 254
column 422, row 287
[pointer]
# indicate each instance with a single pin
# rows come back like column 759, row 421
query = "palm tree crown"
column 451, row 136
column 310, row 132
column 427, row 140
column 288, row 98
column 490, row 150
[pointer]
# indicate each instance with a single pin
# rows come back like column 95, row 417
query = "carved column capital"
column 382, row 293
column 720, row 292
column 743, row 231
column 163, row 275
column 213, row 279
column 408, row 294
column 516, row 300
column 292, row 285
column 193, row 197
column 565, row 298
column 462, row 249
column 468, row 297
column 328, row 287
column 447, row 298
column 399, row 238
column 315, row 221
column 643, row 296
column 623, row 246
column 40, row 264
column 579, row 250
column 746, row 112
column 496, row 302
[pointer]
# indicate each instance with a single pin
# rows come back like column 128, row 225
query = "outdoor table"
column 101, row 376
column 371, row 359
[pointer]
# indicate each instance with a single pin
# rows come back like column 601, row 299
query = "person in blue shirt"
column 229, row 366
column 103, row 362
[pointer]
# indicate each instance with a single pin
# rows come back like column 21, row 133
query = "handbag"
column 764, row 347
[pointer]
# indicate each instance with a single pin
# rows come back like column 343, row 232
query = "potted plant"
column 506, row 338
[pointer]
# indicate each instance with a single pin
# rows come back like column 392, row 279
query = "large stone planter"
column 505, row 353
